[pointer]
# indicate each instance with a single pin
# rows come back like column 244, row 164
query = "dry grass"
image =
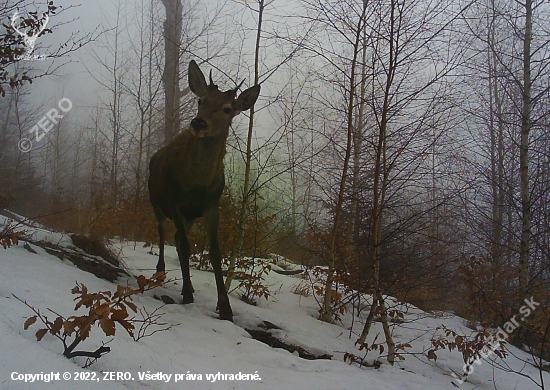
column 301, row 289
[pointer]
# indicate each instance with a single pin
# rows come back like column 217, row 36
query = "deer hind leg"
column 211, row 219
column 161, row 267
column 184, row 251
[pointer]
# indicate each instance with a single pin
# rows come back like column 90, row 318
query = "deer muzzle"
column 198, row 124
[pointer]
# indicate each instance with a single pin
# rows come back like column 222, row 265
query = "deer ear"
column 197, row 82
column 247, row 98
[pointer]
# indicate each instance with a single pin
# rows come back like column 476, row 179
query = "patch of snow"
column 202, row 344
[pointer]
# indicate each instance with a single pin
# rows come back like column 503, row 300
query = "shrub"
column 105, row 309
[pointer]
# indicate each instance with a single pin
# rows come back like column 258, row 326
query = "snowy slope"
column 202, row 344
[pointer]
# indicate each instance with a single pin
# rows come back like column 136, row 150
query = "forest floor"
column 303, row 352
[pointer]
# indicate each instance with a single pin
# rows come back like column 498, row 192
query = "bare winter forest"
column 401, row 145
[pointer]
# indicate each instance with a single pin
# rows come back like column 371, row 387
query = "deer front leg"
column 161, row 267
column 184, row 251
column 211, row 219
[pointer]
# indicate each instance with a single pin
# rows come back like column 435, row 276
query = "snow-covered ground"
column 202, row 344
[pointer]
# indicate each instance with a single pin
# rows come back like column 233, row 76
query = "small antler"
column 239, row 86
column 211, row 81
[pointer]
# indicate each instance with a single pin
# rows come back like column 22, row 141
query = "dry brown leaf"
column 29, row 322
column 108, row 326
column 56, row 326
column 41, row 334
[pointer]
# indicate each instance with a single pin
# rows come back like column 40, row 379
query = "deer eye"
column 227, row 110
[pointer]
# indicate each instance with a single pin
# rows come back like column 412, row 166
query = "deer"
column 186, row 177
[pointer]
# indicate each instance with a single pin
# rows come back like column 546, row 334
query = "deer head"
column 216, row 108
column 29, row 40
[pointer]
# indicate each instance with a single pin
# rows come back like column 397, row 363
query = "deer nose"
column 198, row 124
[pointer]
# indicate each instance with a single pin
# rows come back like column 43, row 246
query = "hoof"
column 226, row 314
column 187, row 297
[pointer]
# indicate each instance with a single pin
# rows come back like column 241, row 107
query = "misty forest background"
column 403, row 145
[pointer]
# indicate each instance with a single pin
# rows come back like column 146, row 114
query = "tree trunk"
column 524, row 157
column 497, row 164
column 357, row 146
column 379, row 188
column 327, row 310
column 171, row 75
column 246, row 186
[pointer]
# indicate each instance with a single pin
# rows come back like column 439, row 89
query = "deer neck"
column 206, row 157
column 212, row 145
